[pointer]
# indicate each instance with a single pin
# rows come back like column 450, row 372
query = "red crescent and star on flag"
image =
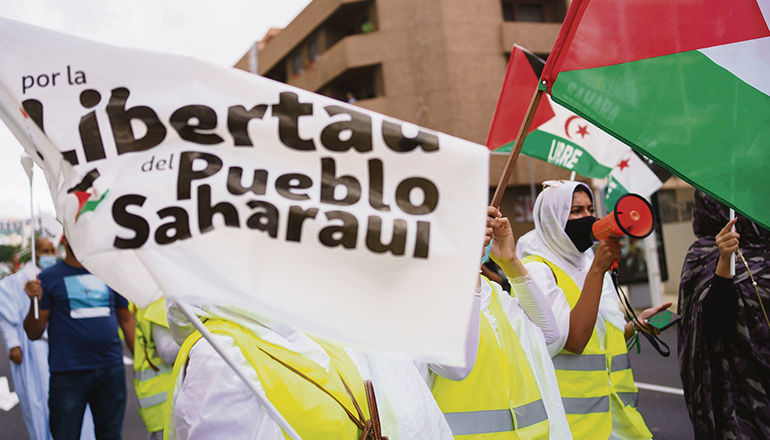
column 582, row 129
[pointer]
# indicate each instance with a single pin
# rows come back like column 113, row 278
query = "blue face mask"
column 487, row 250
column 46, row 261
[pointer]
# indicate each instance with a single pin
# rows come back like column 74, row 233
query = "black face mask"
column 579, row 231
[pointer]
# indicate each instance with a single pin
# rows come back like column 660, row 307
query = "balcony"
column 307, row 22
column 351, row 52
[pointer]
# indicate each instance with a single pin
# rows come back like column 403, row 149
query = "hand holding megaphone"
column 632, row 216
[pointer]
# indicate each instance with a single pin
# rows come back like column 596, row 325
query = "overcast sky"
column 216, row 31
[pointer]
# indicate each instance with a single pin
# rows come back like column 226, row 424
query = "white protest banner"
column 209, row 184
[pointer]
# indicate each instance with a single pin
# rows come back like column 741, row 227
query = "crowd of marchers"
column 546, row 356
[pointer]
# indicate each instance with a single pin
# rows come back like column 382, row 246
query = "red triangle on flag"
column 519, row 85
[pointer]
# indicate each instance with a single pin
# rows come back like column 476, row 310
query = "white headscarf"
column 548, row 239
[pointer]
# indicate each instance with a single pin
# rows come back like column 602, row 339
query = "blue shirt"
column 83, row 326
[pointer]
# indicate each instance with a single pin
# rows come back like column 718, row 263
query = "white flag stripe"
column 746, row 59
column 605, row 149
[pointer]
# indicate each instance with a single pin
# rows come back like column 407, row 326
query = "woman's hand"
column 493, row 221
column 727, row 242
column 504, row 245
column 642, row 324
column 609, row 250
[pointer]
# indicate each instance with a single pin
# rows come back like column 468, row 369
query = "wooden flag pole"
column 514, row 156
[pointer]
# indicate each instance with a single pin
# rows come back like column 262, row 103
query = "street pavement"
column 12, row 425
column 665, row 413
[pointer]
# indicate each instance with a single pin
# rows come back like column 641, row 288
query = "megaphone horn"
column 632, row 216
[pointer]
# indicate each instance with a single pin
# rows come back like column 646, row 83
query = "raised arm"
column 583, row 316
column 527, row 292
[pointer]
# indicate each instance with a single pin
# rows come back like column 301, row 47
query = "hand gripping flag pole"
column 514, row 156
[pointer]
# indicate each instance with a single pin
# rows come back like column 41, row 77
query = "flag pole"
column 513, row 157
column 28, row 164
column 261, row 397
column 732, row 256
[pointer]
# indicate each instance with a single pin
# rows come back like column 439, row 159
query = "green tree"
column 6, row 252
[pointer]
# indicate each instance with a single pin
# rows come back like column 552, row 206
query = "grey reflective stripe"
column 530, row 414
column 479, row 422
column 141, row 376
column 580, row 362
column 586, row 405
column 629, row 399
column 620, row 362
column 153, row 400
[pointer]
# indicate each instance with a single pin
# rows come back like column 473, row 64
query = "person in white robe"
column 29, row 359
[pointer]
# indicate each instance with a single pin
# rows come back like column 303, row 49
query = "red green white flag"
column 562, row 138
column 683, row 83
column 557, row 135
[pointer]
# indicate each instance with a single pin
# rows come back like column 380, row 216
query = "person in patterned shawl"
column 724, row 349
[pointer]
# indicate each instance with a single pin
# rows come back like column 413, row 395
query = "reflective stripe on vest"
column 580, row 362
column 531, row 414
column 620, row 362
column 498, row 420
column 153, row 400
column 479, row 422
column 631, row 399
column 151, row 386
column 586, row 405
column 510, row 406
column 145, row 375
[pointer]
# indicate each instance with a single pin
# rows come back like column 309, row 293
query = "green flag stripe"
column 546, row 147
column 687, row 113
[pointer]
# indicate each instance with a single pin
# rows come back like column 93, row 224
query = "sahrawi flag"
column 562, row 138
column 684, row 83
column 213, row 185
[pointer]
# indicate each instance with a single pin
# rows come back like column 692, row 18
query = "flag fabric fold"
column 683, row 83
column 562, row 138
column 179, row 178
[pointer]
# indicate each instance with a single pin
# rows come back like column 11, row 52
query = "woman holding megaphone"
column 593, row 368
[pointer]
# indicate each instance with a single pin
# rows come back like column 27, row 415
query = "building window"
column 313, row 50
column 297, row 63
column 529, row 12
column 508, row 13
column 356, row 84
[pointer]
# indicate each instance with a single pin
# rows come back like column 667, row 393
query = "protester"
column 209, row 400
column 85, row 358
column 511, row 389
column 592, row 367
column 154, row 353
column 724, row 345
column 29, row 359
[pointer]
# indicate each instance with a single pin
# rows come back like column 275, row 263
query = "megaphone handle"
column 614, row 267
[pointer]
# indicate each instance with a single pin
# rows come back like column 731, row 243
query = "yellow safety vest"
column 310, row 411
column 152, row 378
column 598, row 383
column 500, row 398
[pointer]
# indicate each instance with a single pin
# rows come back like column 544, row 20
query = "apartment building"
column 435, row 63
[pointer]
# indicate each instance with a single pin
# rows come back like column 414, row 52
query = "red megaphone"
column 632, row 216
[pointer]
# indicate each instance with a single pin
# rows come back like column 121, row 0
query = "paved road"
column 12, row 425
column 665, row 414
